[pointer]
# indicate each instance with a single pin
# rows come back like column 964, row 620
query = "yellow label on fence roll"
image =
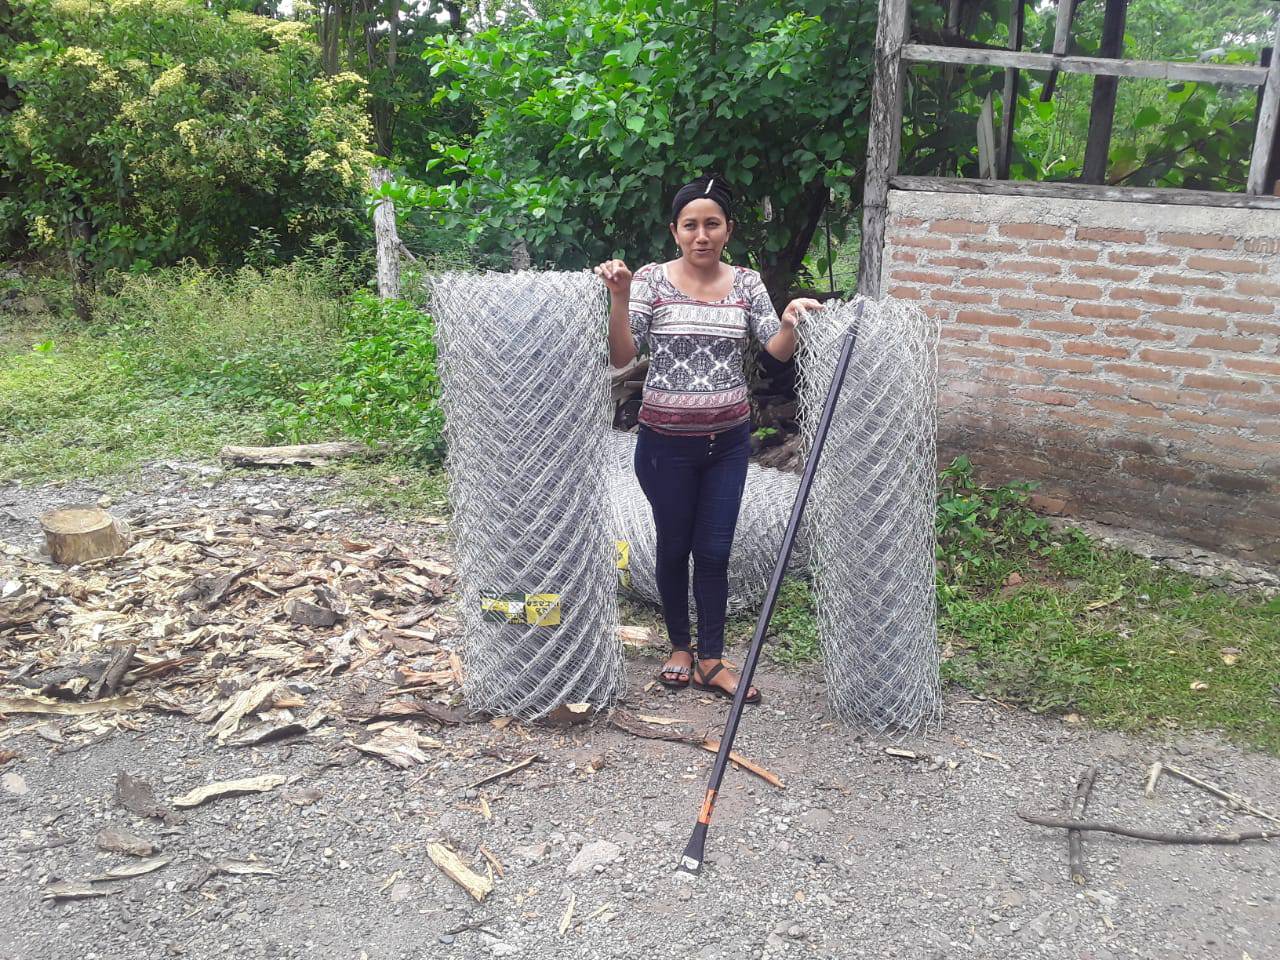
column 542, row 609
column 534, row 609
column 623, row 559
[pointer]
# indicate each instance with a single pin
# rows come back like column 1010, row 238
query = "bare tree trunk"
column 386, row 239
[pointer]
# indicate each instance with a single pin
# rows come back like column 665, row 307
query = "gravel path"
column 863, row 854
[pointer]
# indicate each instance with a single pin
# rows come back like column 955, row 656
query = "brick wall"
column 1125, row 355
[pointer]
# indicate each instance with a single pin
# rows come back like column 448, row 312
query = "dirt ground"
column 861, row 854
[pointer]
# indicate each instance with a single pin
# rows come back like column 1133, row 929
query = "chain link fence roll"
column 767, row 499
column 871, row 512
column 525, row 393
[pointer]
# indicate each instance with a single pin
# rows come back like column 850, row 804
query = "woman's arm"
column 782, row 345
column 622, row 342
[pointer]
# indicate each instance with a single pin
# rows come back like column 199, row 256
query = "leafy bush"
column 383, row 384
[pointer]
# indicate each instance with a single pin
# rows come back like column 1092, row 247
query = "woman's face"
column 702, row 231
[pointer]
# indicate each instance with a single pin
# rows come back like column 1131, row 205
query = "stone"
column 598, row 852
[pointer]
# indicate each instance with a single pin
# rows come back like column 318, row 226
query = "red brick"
column 1252, row 404
column 968, row 227
column 984, row 353
column 1139, row 373
column 1111, row 235
column 1095, row 349
column 1158, row 298
column 1031, row 266
column 1141, row 258
column 1163, row 430
column 1126, row 408
column 1258, row 288
column 960, row 296
column 1076, row 291
column 1138, row 333
column 1177, row 280
column 925, row 243
column 1032, row 231
column 1149, row 394
column 960, row 333
column 1059, row 363
column 1055, row 252
column 971, row 388
column 1268, row 368
column 1202, row 321
column 1105, row 311
column 982, row 318
column 1234, row 304
column 1222, row 265
column 1078, row 419
column 903, row 256
column 1014, row 375
column 1260, row 448
column 1213, row 381
column 964, row 263
column 1175, row 357
column 1234, row 344
column 1072, row 327
column 1199, row 241
column 1095, row 272
column 995, row 283
column 1018, row 340
column 1258, row 328
column 905, row 293
column 1012, row 301
column 1089, row 386
column 953, row 366
column 1206, row 417
column 989, row 246
column 1051, row 397
column 901, row 221
column 920, row 276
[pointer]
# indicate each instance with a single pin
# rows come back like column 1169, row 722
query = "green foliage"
column 983, row 531
column 152, row 132
column 382, row 386
column 592, row 117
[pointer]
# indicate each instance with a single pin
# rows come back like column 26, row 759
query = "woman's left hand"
column 795, row 310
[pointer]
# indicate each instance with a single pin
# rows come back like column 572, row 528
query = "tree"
column 593, row 116
column 151, row 132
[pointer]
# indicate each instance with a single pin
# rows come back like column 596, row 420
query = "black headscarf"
column 711, row 186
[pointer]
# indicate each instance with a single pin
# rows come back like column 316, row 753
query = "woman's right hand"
column 616, row 276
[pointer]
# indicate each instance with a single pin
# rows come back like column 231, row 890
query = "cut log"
column 304, row 455
column 77, row 534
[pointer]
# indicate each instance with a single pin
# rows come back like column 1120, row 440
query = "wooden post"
column 986, row 141
column 1009, row 102
column 1061, row 43
column 884, row 140
column 1264, row 137
column 1098, row 146
column 386, row 240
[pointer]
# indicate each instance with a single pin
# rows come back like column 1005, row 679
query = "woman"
column 695, row 314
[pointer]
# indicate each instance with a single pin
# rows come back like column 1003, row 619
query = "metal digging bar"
column 691, row 861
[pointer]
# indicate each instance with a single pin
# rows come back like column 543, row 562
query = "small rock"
column 15, row 784
column 597, row 853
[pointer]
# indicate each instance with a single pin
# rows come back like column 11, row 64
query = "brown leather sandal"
column 704, row 683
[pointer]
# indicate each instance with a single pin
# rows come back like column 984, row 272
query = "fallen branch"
column 300, row 455
column 632, row 725
column 1243, row 803
column 506, row 772
column 452, row 867
column 1089, row 826
column 1075, row 849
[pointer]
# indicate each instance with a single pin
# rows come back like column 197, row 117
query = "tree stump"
column 77, row 534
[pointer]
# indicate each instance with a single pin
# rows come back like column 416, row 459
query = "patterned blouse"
column 697, row 381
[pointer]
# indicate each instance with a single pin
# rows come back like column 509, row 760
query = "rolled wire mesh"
column 871, row 512
column 767, row 499
column 525, row 394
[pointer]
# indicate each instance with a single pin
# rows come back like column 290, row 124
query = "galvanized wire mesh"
column 871, row 512
column 767, row 499
column 525, row 394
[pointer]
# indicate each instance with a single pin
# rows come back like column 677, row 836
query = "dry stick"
column 1243, row 803
column 1075, row 849
column 507, row 771
column 1153, row 777
column 1089, row 826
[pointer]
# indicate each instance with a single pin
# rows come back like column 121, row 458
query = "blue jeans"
column 694, row 485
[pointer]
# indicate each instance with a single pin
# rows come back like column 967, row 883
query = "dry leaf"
column 122, row 841
column 1199, row 685
column 224, row 788
column 64, row 708
column 127, row 870
column 401, row 746
column 74, row 890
